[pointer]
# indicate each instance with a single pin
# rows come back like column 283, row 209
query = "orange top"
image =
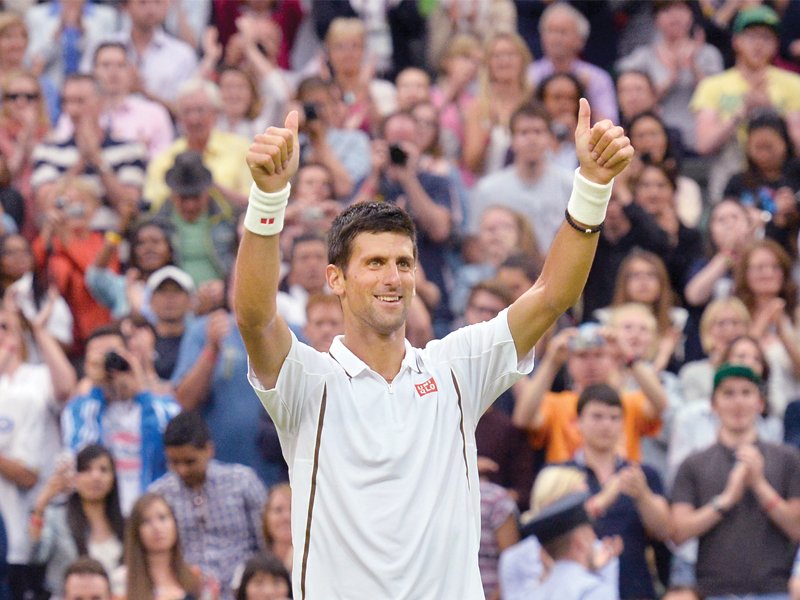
column 560, row 436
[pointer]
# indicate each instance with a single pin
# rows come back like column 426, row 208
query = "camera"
column 397, row 156
column 114, row 363
column 310, row 110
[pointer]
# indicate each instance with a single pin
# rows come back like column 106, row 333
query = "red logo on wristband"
column 266, row 221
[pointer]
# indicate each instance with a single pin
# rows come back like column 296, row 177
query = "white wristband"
column 265, row 211
column 589, row 200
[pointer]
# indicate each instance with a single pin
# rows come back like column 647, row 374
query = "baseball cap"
column 728, row 370
column 589, row 336
column 170, row 273
column 756, row 15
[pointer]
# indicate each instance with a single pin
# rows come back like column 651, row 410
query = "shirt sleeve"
column 188, row 352
column 684, row 488
column 28, row 441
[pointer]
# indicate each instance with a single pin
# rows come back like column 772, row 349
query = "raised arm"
column 273, row 159
column 603, row 152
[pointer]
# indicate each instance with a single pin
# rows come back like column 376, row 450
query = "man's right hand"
column 274, row 155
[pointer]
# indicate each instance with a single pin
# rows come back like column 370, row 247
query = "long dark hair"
column 39, row 278
column 76, row 518
column 262, row 563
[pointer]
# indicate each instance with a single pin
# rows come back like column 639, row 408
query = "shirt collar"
column 353, row 365
column 579, row 458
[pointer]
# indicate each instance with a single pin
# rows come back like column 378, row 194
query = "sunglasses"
column 30, row 97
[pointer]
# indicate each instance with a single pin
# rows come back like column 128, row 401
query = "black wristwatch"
column 719, row 508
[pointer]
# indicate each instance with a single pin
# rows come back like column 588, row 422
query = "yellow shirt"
column 224, row 156
column 725, row 93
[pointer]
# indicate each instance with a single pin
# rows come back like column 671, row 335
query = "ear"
column 336, row 279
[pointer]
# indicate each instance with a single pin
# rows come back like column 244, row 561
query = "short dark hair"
column 187, row 429
column 262, row 563
column 308, row 236
column 644, row 74
column 366, row 217
column 86, row 566
column 524, row 263
column 531, row 110
column 311, row 84
column 103, row 331
column 598, row 392
column 109, row 44
column 493, row 287
column 542, row 87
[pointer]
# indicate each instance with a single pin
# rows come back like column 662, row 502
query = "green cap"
column 728, row 370
column 757, row 15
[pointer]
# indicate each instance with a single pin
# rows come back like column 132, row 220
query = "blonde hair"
column 43, row 120
column 460, row 45
column 553, row 483
column 711, row 314
column 618, row 313
column 484, row 76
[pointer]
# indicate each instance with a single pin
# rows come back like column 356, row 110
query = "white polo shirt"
column 385, row 492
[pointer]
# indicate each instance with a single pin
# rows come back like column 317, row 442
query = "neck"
column 170, row 328
column 762, row 302
column 529, row 171
column 562, row 64
column 197, row 144
column 734, row 439
column 141, row 36
column 505, row 89
column 95, row 510
column 382, row 353
column 348, row 82
column 10, row 365
column 602, row 461
column 159, row 565
column 112, row 100
column 748, row 71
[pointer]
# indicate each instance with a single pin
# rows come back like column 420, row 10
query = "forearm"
column 700, row 288
column 654, row 513
column 17, row 473
column 368, row 188
column 529, row 397
column 119, row 194
column 693, row 523
column 651, row 387
column 785, row 514
column 342, row 183
column 256, row 280
column 713, row 134
column 193, row 389
column 62, row 373
column 433, row 218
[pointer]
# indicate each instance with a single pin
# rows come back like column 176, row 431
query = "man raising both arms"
column 378, row 435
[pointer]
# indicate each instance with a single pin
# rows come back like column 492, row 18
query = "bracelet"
column 113, row 238
column 772, row 504
column 716, row 504
column 266, row 211
column 574, row 225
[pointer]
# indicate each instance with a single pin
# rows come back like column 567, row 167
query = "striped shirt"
column 52, row 159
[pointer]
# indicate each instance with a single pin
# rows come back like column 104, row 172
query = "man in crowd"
column 552, row 416
column 374, row 418
column 204, row 231
column 86, row 579
column 115, row 167
column 217, row 506
column 724, row 103
column 533, row 185
column 739, row 494
column 197, row 106
column 627, row 498
column 306, row 276
column 324, row 321
column 171, row 292
column 120, row 413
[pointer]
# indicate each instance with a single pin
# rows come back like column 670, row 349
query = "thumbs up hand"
column 274, row 155
column 603, row 149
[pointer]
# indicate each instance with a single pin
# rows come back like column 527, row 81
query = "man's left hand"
column 603, row 149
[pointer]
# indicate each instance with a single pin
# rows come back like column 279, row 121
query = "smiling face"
column 654, row 191
column 236, row 93
column 764, row 275
column 377, row 285
column 13, row 42
column 16, row 258
column 151, row 249
column 738, row 402
column 649, row 137
column 642, row 283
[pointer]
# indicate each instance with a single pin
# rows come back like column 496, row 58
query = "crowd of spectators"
column 136, row 461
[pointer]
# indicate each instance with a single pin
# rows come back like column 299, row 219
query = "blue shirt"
column 233, row 411
column 622, row 519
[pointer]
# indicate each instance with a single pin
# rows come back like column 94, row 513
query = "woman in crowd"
column 30, row 394
column 654, row 191
column 643, row 278
column 454, row 90
column 150, row 249
column 277, row 523
column 154, row 566
column 501, row 233
column 677, row 60
column 368, row 99
column 503, row 88
column 30, row 291
column 763, row 281
column 23, row 124
column 65, row 249
column 88, row 523
column 559, row 94
column 768, row 184
column 264, row 578
column 649, row 137
column 723, row 320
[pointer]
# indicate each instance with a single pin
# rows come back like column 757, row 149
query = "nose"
column 391, row 274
